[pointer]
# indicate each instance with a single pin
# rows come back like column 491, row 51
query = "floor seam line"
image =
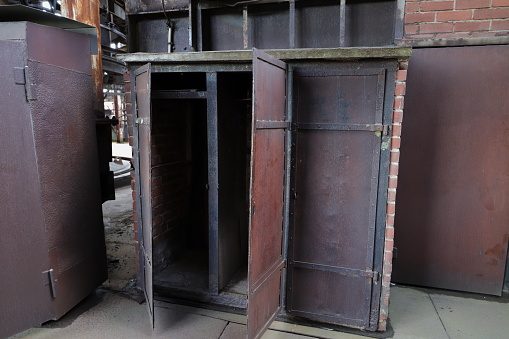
column 439, row 317
column 224, row 329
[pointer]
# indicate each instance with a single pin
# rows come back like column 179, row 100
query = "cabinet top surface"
column 352, row 53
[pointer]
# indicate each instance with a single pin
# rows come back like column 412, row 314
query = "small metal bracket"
column 385, row 131
column 49, row 279
column 376, row 276
column 21, row 78
column 143, row 121
column 19, row 75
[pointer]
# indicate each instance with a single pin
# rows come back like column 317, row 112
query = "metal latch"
column 49, row 279
column 143, row 121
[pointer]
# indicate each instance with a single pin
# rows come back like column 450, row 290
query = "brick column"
column 397, row 119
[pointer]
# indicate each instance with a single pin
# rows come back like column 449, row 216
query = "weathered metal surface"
column 73, row 57
column 370, row 23
column 452, row 219
column 290, row 54
column 399, row 25
column 151, row 35
column 268, row 26
column 213, row 183
column 142, row 87
column 506, row 282
column 62, row 112
column 222, row 30
column 265, row 258
column 317, row 24
column 16, row 13
column 88, row 13
column 279, row 24
column 59, row 88
column 26, row 301
column 146, row 6
column 335, row 194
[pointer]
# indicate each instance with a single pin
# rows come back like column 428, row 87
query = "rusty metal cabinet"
column 52, row 245
column 262, row 184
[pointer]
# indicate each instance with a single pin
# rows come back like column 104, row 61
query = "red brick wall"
column 169, row 173
column 433, row 19
column 169, row 183
column 397, row 119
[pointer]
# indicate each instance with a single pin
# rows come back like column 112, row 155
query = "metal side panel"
column 25, row 293
column 266, row 227
column 452, row 219
column 64, row 126
column 142, row 109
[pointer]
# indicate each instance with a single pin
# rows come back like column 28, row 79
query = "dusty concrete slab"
column 176, row 324
column 119, row 234
column 119, row 317
column 313, row 332
column 114, row 317
column 472, row 318
column 412, row 315
column 237, row 331
column 234, row 331
column 119, row 208
column 229, row 317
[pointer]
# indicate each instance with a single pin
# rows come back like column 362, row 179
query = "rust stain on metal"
column 88, row 13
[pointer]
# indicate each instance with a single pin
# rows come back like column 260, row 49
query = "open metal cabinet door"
column 266, row 220
column 143, row 175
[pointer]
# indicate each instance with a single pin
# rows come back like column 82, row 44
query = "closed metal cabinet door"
column 336, row 203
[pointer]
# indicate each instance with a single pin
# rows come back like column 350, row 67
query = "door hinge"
column 49, row 279
column 375, row 276
column 143, row 121
column 21, row 78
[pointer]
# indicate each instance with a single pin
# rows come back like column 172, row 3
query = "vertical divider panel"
column 213, row 184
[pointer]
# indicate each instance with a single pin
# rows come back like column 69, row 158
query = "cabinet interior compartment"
column 222, row 29
column 269, row 25
column 317, row 24
column 370, row 23
column 150, row 32
column 200, row 229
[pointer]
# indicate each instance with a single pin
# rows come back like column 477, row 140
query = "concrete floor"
column 114, row 311
column 414, row 313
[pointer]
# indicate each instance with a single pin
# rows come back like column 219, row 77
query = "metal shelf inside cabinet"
column 179, row 94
